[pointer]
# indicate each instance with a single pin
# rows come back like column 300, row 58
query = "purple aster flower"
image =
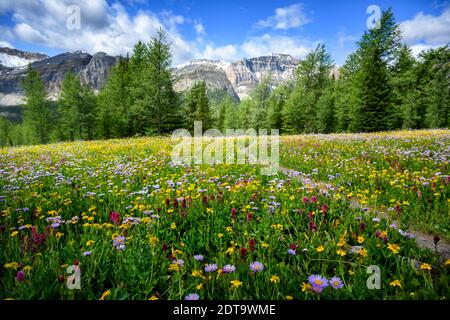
column 228, row 268
column 211, row 267
column 256, row 266
column 192, row 296
column 178, row 262
column 316, row 289
column 318, row 281
column 87, row 253
column 292, row 252
column 199, row 257
column 119, row 243
column 336, row 283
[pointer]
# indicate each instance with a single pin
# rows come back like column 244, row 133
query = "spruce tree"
column 37, row 113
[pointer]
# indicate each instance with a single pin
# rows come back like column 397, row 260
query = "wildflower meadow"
column 117, row 219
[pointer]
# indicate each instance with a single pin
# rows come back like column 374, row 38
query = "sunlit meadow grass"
column 140, row 227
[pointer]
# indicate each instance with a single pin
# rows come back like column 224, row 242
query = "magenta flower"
column 20, row 276
column 114, row 217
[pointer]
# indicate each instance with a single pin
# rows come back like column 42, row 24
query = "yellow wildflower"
column 89, row 243
column 395, row 283
column 341, row 252
column 11, row 265
column 425, row 266
column 173, row 226
column 105, row 294
column 394, row 248
column 320, row 249
column 236, row 283
column 362, row 252
column 230, row 250
column 306, row 286
column 275, row 279
column 360, row 239
column 153, row 298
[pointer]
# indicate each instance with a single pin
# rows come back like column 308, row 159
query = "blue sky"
column 219, row 30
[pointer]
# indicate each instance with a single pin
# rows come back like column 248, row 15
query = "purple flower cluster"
column 256, row 266
column 119, row 243
column 318, row 283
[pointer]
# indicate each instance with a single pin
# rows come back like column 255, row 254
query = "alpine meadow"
column 136, row 148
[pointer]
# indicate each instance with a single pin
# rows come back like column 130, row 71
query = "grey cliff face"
column 91, row 69
column 243, row 76
column 236, row 79
column 203, row 70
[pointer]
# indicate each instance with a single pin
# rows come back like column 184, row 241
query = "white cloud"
column 427, row 28
column 343, row 38
column 267, row 44
column 6, row 44
column 227, row 53
column 103, row 27
column 199, row 28
column 416, row 49
column 112, row 29
column 285, row 18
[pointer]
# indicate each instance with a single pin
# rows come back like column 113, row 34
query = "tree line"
column 381, row 86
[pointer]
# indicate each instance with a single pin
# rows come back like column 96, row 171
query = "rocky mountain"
column 92, row 70
column 13, row 58
column 212, row 72
column 236, row 79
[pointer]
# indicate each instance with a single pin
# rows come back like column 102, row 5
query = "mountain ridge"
column 236, row 79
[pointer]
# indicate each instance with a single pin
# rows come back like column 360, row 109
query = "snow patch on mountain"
column 11, row 61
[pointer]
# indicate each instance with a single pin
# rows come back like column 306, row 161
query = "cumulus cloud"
column 103, row 27
column 427, row 28
column 285, row 18
column 227, row 53
column 267, row 44
column 109, row 27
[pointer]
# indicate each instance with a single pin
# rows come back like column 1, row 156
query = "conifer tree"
column 37, row 113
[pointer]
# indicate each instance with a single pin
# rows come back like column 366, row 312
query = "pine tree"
column 77, row 109
column 326, row 113
column 433, row 87
column 276, row 102
column 5, row 132
column 313, row 76
column 159, row 101
column 378, row 50
column 405, row 113
column 196, row 107
column 37, row 113
column 114, row 117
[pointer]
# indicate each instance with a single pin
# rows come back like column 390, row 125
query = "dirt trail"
column 423, row 240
